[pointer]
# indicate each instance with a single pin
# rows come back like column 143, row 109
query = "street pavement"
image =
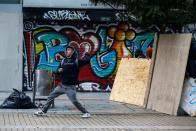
column 106, row 116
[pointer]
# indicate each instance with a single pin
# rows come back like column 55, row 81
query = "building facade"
column 49, row 26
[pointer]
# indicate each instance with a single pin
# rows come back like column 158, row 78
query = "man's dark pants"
column 70, row 91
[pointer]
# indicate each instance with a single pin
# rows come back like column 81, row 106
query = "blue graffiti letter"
column 103, row 65
column 47, row 58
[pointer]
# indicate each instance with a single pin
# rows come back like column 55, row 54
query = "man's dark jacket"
column 69, row 75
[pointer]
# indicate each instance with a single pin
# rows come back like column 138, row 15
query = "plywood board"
column 131, row 81
column 151, row 70
column 169, row 72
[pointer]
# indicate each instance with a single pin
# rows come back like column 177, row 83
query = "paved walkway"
column 96, row 103
column 129, row 122
column 106, row 116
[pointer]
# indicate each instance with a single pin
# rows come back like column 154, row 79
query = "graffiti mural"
column 44, row 49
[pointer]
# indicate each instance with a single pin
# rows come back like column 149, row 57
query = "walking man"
column 69, row 69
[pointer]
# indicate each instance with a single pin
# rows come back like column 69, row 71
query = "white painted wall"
column 11, row 34
column 85, row 4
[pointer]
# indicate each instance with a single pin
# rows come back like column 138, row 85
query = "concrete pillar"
column 11, row 43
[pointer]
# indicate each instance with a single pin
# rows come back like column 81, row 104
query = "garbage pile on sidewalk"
column 17, row 100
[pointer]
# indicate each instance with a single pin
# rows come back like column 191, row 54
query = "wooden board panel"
column 151, row 70
column 169, row 72
column 131, row 81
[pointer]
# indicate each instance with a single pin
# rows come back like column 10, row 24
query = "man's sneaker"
column 40, row 113
column 86, row 115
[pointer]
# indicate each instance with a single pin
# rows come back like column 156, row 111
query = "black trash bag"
column 17, row 100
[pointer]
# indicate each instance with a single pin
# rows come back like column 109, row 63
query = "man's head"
column 69, row 51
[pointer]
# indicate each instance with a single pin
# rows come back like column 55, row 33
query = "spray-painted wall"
column 107, row 42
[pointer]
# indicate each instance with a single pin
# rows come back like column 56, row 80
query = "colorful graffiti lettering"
column 104, row 64
column 142, row 42
column 120, row 34
column 106, row 45
column 84, row 43
column 122, row 40
column 48, row 47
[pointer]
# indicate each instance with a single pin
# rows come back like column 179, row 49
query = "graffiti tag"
column 66, row 15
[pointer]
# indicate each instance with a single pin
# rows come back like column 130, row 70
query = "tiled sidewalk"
column 106, row 116
column 129, row 122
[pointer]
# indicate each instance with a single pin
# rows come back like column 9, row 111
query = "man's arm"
column 85, row 60
column 60, row 69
